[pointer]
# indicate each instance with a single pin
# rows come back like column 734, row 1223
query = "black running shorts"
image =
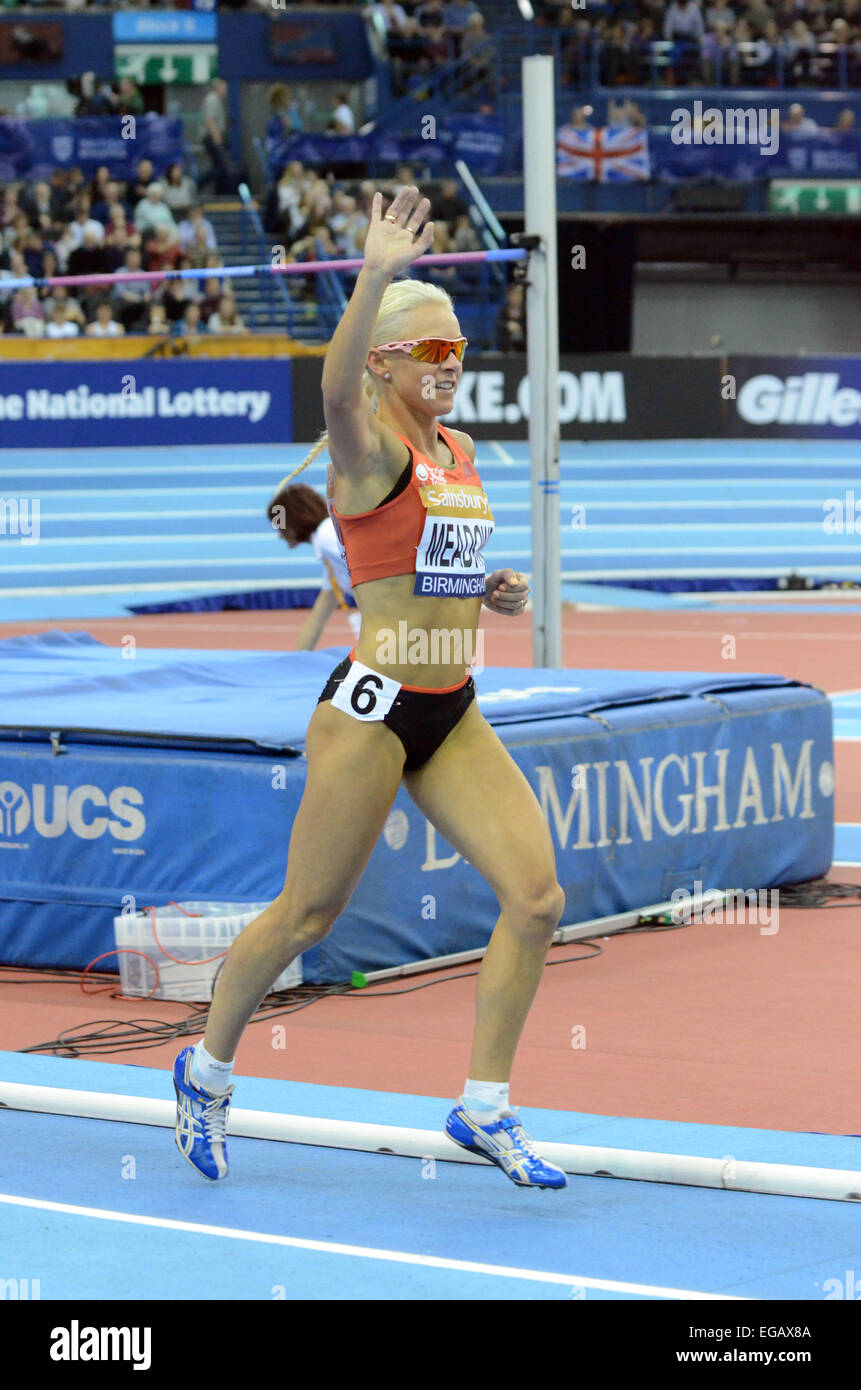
column 422, row 719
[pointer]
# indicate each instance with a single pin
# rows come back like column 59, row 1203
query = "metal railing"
column 252, row 231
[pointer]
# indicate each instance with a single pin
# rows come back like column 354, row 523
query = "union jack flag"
column 606, row 154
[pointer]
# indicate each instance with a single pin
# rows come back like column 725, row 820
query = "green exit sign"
column 814, row 196
column 186, row 65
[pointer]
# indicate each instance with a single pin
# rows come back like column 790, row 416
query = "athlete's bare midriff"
column 399, row 627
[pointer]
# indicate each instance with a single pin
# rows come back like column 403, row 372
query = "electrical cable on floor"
column 102, row 1037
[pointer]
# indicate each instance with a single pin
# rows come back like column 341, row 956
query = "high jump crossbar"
column 239, row 272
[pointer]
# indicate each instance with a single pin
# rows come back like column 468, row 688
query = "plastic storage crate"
column 197, row 936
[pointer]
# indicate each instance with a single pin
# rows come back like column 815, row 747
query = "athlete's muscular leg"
column 477, row 797
column 354, row 770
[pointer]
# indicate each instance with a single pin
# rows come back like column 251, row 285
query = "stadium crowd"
column 70, row 226
column 753, row 43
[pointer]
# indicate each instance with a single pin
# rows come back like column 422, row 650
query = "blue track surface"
column 652, row 1240
column 125, row 527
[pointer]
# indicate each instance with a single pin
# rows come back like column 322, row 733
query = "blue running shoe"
column 201, row 1120
column 505, row 1143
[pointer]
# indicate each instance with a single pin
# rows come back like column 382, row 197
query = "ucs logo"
column 71, row 809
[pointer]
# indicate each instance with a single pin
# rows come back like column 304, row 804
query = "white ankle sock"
column 485, row 1099
column 208, row 1072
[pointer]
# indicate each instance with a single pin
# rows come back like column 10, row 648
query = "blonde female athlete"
column 414, row 518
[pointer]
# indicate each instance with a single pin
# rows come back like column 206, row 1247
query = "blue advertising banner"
column 764, row 152
column 477, row 139
column 205, row 400
column 605, row 154
column 34, row 149
column 795, row 398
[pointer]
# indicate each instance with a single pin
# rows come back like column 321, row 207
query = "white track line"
column 367, row 1252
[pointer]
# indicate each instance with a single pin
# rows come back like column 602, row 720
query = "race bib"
column 365, row 694
column 458, row 525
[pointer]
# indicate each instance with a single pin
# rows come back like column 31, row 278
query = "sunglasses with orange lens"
column 434, row 350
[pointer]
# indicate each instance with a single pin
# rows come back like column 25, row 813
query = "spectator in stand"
column 33, row 250
column 83, row 222
column 118, row 232
column 719, row 56
column 28, row 314
column 142, row 180
column 43, row 206
column 61, row 195
column 403, row 40
column 846, row 120
column 760, row 59
column 465, row 237
column 157, row 324
column 49, row 266
column 213, row 262
column 212, row 297
column 456, row 17
column 11, row 211
column 161, row 249
column 616, row 56
column 214, row 114
column 478, row 46
column 106, row 208
column 129, row 99
column 683, row 20
column 437, row 47
column 720, row 12
column 441, row 246
column 429, row 15
column 342, row 117
column 511, row 324
column 178, row 294
column 198, row 250
column 800, row 49
column 191, row 326
column 152, row 211
column 98, row 183
column 758, row 13
column 97, row 97
column 180, row 191
column 90, row 258
column 14, row 268
column 60, row 323
column 797, row 123
column 318, row 245
column 189, row 230
column 347, row 224
column 131, row 297
column 448, row 206
column 104, row 325
column 285, row 106
column 61, row 295
column 226, row 318
column 625, row 112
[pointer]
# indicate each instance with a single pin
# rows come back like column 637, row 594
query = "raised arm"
column 390, row 247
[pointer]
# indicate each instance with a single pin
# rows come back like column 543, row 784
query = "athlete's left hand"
column 506, row 592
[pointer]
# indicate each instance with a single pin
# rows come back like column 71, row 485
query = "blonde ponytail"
column 399, row 303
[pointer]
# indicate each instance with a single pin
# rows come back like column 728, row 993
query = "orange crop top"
column 436, row 527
